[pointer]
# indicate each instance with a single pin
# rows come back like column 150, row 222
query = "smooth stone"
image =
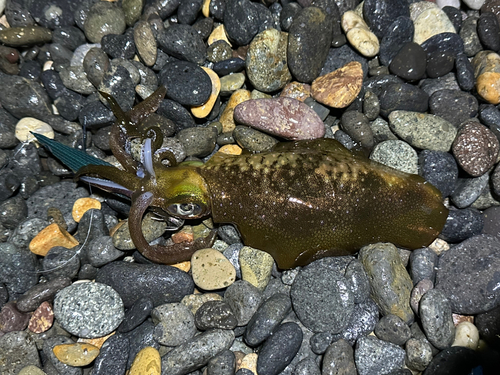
column 241, row 20
column 102, row 19
column 174, row 324
column 296, row 90
column 364, row 41
column 381, row 130
column 453, row 106
column 196, row 353
column 132, row 10
column 454, row 360
column 474, row 4
column 397, row 35
column 205, row 109
column 163, row 284
column 379, row 14
column 339, row 88
column 25, row 36
column 118, row 83
column 136, row 314
column 198, row 142
column 431, row 22
column 321, row 297
column 363, row 321
column 182, row 42
column 279, row 349
column 224, row 363
column 357, row 126
column 232, row 83
column 215, row 314
column 410, row 62
column 40, row 293
column 75, row 78
column 256, row 266
column 11, row 319
column 285, row 117
column 17, row 350
column 475, row 148
column 469, row 36
column 307, row 366
column 151, row 228
column 467, row 190
column 423, row 263
column 145, row 43
column 488, row 30
column 77, row 354
column 396, row 154
column 462, row 224
column 487, row 72
column 455, row 16
column 338, row 57
column 147, row 361
column 371, row 105
column 266, row 61
column 437, row 322
column 244, row 300
column 446, row 82
column 423, row 130
column 99, row 306
column 119, row 46
column 374, row 356
column 444, row 42
column 211, row 270
column 26, row 125
column 466, row 275
column 390, row 282
column 339, row 359
column 139, row 338
column 418, row 354
column 218, row 51
column 392, row 329
column 176, row 113
column 227, row 116
column 49, row 237
column 402, row 96
column 466, row 335
column 195, row 301
column 309, row 40
column 31, row 370
column 360, row 285
column 252, row 139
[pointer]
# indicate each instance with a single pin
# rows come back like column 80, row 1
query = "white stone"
column 466, row 335
column 474, row 4
column 350, row 20
column 417, row 8
column 2, row 5
column 364, row 41
column 30, row 124
column 431, row 22
column 448, row 3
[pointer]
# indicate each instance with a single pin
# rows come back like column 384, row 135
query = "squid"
column 299, row 201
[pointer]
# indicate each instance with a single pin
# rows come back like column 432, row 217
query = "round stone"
column 104, row 18
column 211, row 270
column 410, row 62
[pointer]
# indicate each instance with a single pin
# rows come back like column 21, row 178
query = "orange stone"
column 42, row 318
column 146, row 362
column 457, row 319
column 230, row 150
column 227, row 119
column 77, row 354
column 98, row 342
column 50, row 237
column 184, row 235
column 488, row 87
column 82, row 205
column 339, row 88
column 296, row 90
column 183, row 266
column 204, row 109
column 219, row 33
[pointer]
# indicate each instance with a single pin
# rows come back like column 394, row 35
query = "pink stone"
column 284, row 117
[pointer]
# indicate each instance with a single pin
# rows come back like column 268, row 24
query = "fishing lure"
column 300, row 201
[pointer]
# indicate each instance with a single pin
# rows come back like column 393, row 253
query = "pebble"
column 253, row 140
column 399, row 32
column 309, row 39
column 488, row 29
column 467, row 280
column 163, row 284
column 231, row 83
column 241, row 20
column 204, row 110
column 17, row 270
column 286, row 341
column 396, row 154
column 11, row 319
column 249, row 364
column 25, row 36
column 75, row 78
column 363, row 320
column 390, row 282
column 244, row 300
column 453, row 106
column 26, row 125
column 321, row 297
column 358, row 280
column 490, row 217
column 266, row 61
column 198, row 142
column 475, row 148
column 224, row 363
column 147, row 361
column 467, row 190
column 211, row 270
column 437, row 322
column 285, row 117
column 82, row 205
column 215, row 314
column 113, row 356
column 431, row 22
column 439, row 64
column 182, row 42
column 151, row 228
column 267, row 318
column 487, row 72
column 339, row 359
column 99, row 307
column 256, row 266
column 307, row 366
column 17, row 350
column 104, row 19
column 339, row 88
column 410, row 62
column 392, row 329
column 136, row 314
column 445, row 43
column 227, row 116
column 31, row 370
column 76, row 355
column 359, row 35
column 422, row 287
column 374, row 356
column 50, row 237
column 470, row 38
column 219, row 51
column 145, row 43
column 218, row 34
column 174, row 324
column 197, row 352
column 466, row 335
column 402, row 96
column 379, row 15
column 101, row 251
column 454, row 360
column 418, row 354
column 42, row 318
column 423, row 130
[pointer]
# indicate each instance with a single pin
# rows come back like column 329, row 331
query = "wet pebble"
column 174, row 324
column 224, row 363
column 374, row 356
column 423, row 263
column 399, row 32
column 423, row 130
column 136, row 314
column 396, row 154
column 359, row 34
column 76, row 355
column 359, row 283
column 410, row 62
column 392, row 329
column 383, row 263
column 487, row 72
column 11, row 319
column 379, row 15
column 466, row 335
column 339, row 359
column 241, row 20
column 17, row 269
column 363, row 320
column 99, row 306
column 211, row 270
column 286, row 117
column 435, row 314
column 454, row 360
column 163, row 284
column 119, row 46
column 439, row 64
column 431, row 22
column 475, row 148
column 182, row 42
column 101, row 251
column 244, row 300
column 488, row 29
column 256, row 266
column 199, row 142
column 453, row 106
column 418, row 354
column 39, row 293
column 402, row 96
column 25, row 35
column 186, row 83
column 467, row 190
column 103, row 19
column 151, row 228
column 286, row 341
column 18, row 350
column 462, row 224
column 465, row 72
column 321, row 297
column 215, row 314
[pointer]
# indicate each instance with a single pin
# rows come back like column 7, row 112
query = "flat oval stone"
column 453, row 105
column 488, row 30
column 364, row 41
column 284, row 117
column 241, row 20
column 211, row 270
column 402, row 96
column 147, row 361
column 145, row 42
column 436, row 318
column 397, row 34
column 309, row 40
column 104, row 18
column 77, row 354
column 444, row 42
column 339, row 88
column 379, row 14
column 475, row 148
column 25, row 36
column 423, row 130
column 465, row 72
column 439, row 64
column 431, row 22
column 183, row 42
column 266, row 61
column 410, row 62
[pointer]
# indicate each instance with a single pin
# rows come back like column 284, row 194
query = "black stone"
column 17, row 14
column 30, row 69
column 186, row 83
column 188, row 11
column 455, row 16
column 204, row 27
column 113, row 356
column 377, row 84
column 338, row 57
column 217, row 9
column 183, row 42
column 61, row 262
column 410, row 62
column 175, row 112
column 232, row 65
column 95, row 115
column 136, row 314
column 17, row 269
column 488, row 30
column 241, row 20
column 379, row 14
column 439, row 64
column 455, row 360
column 139, row 338
column 440, row 169
column 69, row 104
column 288, row 14
column 54, row 13
column 120, row 86
column 422, row 266
column 462, row 224
column 444, row 42
column 465, row 72
column 397, row 35
column 453, row 105
column 119, row 46
column 68, row 36
column 402, row 97
column 488, row 325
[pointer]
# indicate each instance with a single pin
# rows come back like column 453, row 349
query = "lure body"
column 299, row 201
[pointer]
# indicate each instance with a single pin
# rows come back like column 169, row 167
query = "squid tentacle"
column 123, row 179
column 172, row 254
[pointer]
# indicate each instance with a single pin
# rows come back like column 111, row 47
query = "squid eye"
column 185, row 209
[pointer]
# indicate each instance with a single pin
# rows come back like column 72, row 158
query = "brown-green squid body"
column 299, row 201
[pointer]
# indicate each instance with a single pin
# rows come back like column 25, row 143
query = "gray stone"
column 436, row 318
column 374, row 356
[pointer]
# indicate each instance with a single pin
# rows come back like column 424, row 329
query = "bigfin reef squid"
column 299, row 201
